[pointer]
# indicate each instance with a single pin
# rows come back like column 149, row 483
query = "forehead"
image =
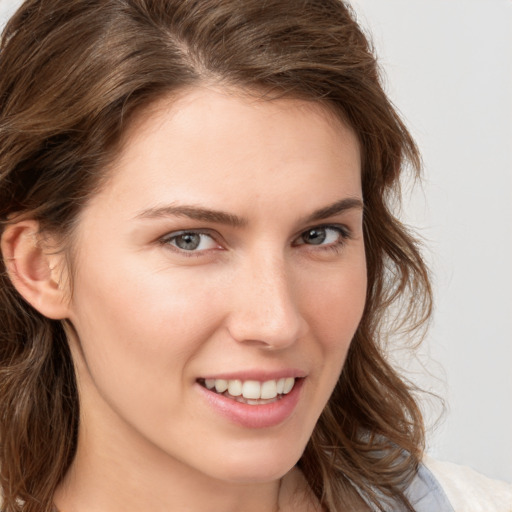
column 206, row 111
column 221, row 145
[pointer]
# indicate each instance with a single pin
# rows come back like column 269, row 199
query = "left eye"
column 321, row 236
column 191, row 241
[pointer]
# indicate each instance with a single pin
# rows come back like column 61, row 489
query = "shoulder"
column 467, row 490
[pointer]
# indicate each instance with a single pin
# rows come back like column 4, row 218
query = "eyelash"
column 343, row 235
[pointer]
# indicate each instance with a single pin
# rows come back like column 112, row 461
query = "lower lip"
column 255, row 416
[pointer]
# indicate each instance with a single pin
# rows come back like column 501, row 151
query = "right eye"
column 190, row 241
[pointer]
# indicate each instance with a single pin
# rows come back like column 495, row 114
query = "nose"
column 264, row 309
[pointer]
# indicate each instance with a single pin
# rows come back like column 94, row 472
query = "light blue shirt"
column 424, row 493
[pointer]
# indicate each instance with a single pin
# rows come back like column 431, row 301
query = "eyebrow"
column 221, row 217
column 193, row 212
column 349, row 203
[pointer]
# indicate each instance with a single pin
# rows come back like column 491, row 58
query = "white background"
column 448, row 69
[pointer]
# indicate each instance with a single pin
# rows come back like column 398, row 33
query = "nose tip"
column 265, row 310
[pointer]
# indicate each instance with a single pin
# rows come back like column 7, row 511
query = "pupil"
column 188, row 241
column 315, row 236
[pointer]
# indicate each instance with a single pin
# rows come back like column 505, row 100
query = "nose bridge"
column 265, row 309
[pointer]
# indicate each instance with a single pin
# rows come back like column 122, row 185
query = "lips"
column 252, row 402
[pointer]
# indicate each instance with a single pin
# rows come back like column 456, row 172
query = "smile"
column 250, row 392
column 252, row 403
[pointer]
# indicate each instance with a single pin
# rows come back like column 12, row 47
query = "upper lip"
column 258, row 375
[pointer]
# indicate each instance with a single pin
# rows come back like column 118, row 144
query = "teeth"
column 220, row 385
column 269, row 389
column 288, row 385
column 235, row 387
column 252, row 389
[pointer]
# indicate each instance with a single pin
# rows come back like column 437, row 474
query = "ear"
column 36, row 271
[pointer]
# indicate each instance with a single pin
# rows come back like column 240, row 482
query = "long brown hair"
column 72, row 75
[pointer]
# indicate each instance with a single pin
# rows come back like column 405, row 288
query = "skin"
column 147, row 319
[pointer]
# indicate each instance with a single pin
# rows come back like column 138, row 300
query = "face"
column 225, row 251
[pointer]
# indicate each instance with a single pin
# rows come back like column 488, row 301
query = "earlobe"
column 35, row 270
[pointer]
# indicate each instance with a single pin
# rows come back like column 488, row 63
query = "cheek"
column 335, row 305
column 147, row 313
column 137, row 337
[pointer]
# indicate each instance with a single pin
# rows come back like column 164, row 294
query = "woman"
column 201, row 263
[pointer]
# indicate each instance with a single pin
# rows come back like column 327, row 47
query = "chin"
column 256, row 474
column 253, row 464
